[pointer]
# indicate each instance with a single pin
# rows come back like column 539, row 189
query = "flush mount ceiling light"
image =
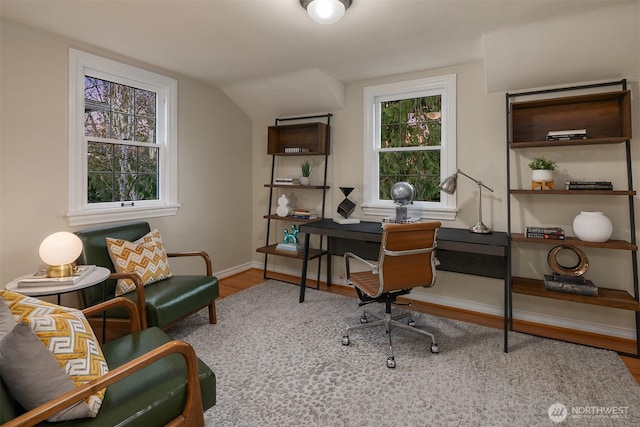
column 326, row 11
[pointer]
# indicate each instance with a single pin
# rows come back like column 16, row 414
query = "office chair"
column 407, row 260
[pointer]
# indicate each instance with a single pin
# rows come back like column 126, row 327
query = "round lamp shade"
column 60, row 248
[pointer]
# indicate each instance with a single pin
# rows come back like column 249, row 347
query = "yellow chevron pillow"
column 47, row 350
column 146, row 257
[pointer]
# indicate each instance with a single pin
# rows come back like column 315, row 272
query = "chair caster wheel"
column 364, row 319
column 434, row 348
column 391, row 362
column 345, row 340
column 411, row 323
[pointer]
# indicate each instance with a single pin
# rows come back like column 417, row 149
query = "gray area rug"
column 281, row 363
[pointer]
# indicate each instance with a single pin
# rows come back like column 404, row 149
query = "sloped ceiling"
column 272, row 60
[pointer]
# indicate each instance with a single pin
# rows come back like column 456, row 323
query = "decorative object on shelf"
column 306, row 172
column 291, row 237
column 569, row 279
column 592, row 227
column 449, row 186
column 60, row 251
column 542, row 173
column 283, row 206
column 326, row 12
column 346, row 208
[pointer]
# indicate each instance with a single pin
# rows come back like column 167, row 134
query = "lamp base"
column 64, row 270
column 480, row 228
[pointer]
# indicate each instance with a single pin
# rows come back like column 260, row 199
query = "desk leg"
column 305, row 262
column 328, row 263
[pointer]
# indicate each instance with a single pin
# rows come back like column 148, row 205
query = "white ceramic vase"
column 592, row 227
column 305, row 180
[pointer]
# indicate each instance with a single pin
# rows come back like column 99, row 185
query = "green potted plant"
column 542, row 171
column 306, row 172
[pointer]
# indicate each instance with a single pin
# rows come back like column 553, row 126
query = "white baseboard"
column 528, row 316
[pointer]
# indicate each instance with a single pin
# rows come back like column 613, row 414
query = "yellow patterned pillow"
column 146, row 257
column 46, row 351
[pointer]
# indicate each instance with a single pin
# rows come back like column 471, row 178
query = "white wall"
column 214, row 149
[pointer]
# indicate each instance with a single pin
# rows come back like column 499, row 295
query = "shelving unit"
column 607, row 118
column 313, row 139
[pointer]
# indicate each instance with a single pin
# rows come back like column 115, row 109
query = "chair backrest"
column 94, row 252
column 407, row 255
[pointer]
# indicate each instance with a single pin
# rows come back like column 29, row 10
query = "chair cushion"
column 146, row 257
column 47, row 351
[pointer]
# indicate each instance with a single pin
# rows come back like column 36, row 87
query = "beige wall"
column 214, row 150
column 482, row 154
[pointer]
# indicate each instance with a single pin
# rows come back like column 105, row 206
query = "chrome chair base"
column 390, row 322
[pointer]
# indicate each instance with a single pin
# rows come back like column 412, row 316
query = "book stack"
column 554, row 233
column 300, row 213
column 588, row 185
column 567, row 135
column 394, row 220
column 291, row 247
column 286, row 181
column 40, row 278
column 296, row 150
column 571, row 285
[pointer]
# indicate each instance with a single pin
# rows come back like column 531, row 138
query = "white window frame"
column 80, row 211
column 445, row 86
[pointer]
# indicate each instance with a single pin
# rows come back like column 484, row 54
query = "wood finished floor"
column 253, row 277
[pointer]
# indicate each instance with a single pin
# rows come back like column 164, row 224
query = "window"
column 410, row 135
column 122, row 141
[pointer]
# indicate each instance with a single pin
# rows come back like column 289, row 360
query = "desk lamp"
column 60, row 251
column 449, row 186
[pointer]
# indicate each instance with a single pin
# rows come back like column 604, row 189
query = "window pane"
column 96, row 123
column 122, row 173
column 121, row 127
column 145, row 103
column 122, row 98
column 145, row 129
column 420, row 168
column 411, row 122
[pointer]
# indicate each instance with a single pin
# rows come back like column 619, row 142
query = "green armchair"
column 152, row 380
column 160, row 304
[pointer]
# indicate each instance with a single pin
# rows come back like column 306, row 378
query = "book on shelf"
column 286, row 181
column 571, row 285
column 588, row 185
column 550, row 236
column 296, row 150
column 566, row 135
column 40, row 278
column 291, row 247
column 303, row 214
column 548, row 230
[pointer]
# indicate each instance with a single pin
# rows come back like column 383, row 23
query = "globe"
column 402, row 193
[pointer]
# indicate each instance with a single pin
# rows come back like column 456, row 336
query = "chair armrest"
column 140, row 300
column 192, row 408
column 203, row 254
column 350, row 255
column 134, row 315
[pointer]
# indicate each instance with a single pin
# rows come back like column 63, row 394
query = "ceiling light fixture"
column 326, row 11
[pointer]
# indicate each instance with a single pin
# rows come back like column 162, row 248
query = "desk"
column 459, row 251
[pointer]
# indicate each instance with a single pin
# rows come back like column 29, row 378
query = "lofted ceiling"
column 272, row 59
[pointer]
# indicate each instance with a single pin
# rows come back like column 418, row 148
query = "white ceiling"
column 269, row 52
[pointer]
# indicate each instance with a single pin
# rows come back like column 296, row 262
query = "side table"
column 97, row 276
